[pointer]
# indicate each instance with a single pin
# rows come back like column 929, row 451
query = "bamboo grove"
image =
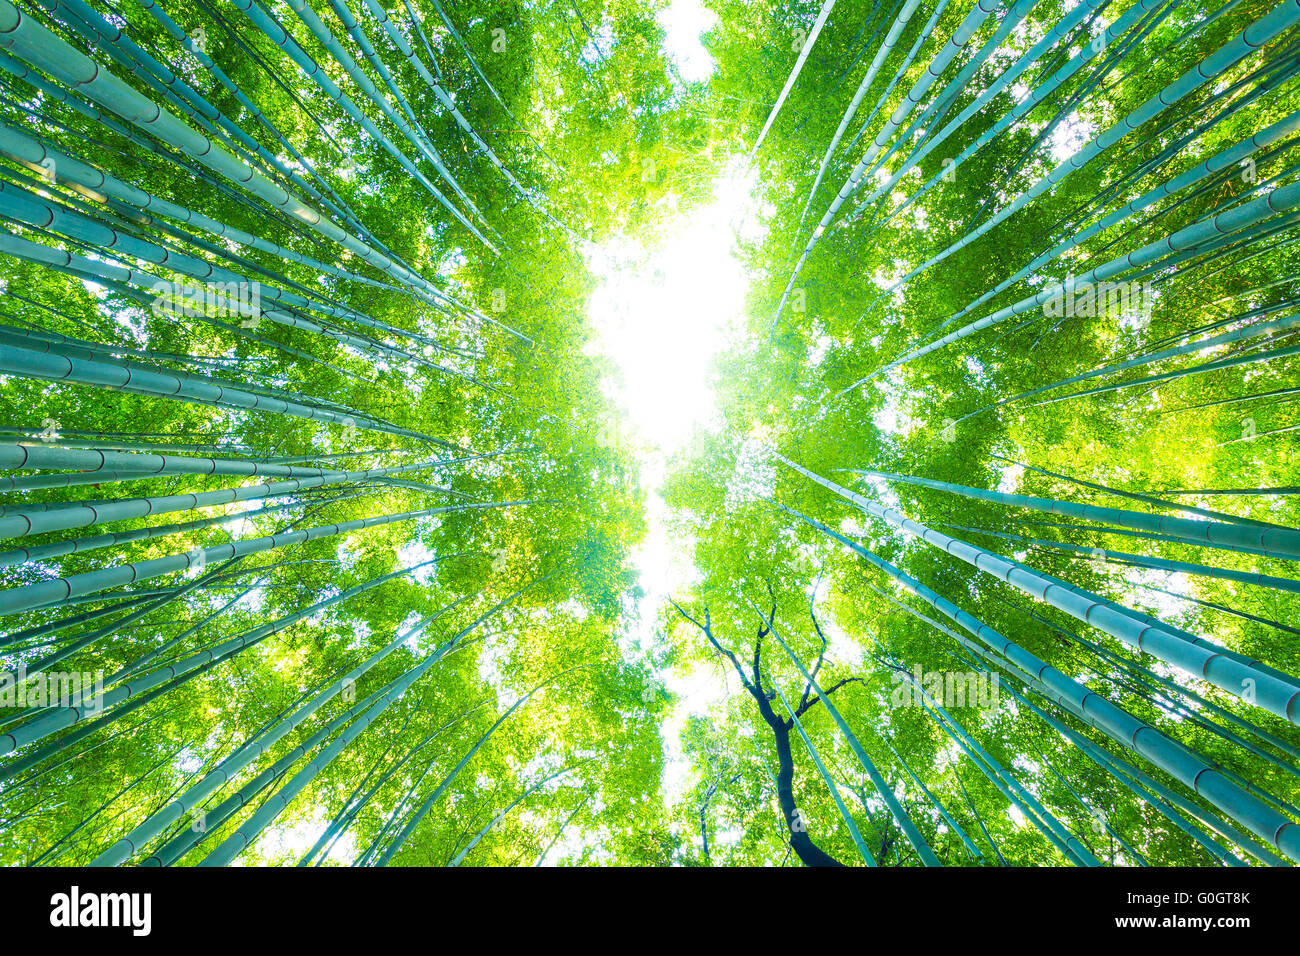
column 313, row 485
column 296, row 406
column 1015, row 407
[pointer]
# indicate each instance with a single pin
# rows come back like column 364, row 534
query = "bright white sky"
column 684, row 21
column 661, row 315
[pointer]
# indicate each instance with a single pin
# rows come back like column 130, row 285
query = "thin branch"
column 827, row 692
column 821, row 658
column 707, row 628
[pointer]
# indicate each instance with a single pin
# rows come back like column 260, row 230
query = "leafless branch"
column 707, row 628
column 804, row 707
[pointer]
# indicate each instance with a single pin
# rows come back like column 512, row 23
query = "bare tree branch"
column 707, row 629
column 809, row 853
column 821, row 657
column 803, row 708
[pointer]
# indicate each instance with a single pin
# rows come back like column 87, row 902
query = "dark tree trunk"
column 809, row 853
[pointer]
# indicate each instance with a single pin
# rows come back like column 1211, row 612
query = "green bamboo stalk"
column 429, row 801
column 205, row 821
column 936, row 802
column 459, row 858
column 1183, row 764
column 541, row 857
column 54, row 719
column 36, row 519
column 883, row 51
column 37, row 46
column 1274, row 542
column 825, row 11
column 980, row 821
column 1254, row 36
column 1033, row 811
column 1271, row 690
column 960, row 38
